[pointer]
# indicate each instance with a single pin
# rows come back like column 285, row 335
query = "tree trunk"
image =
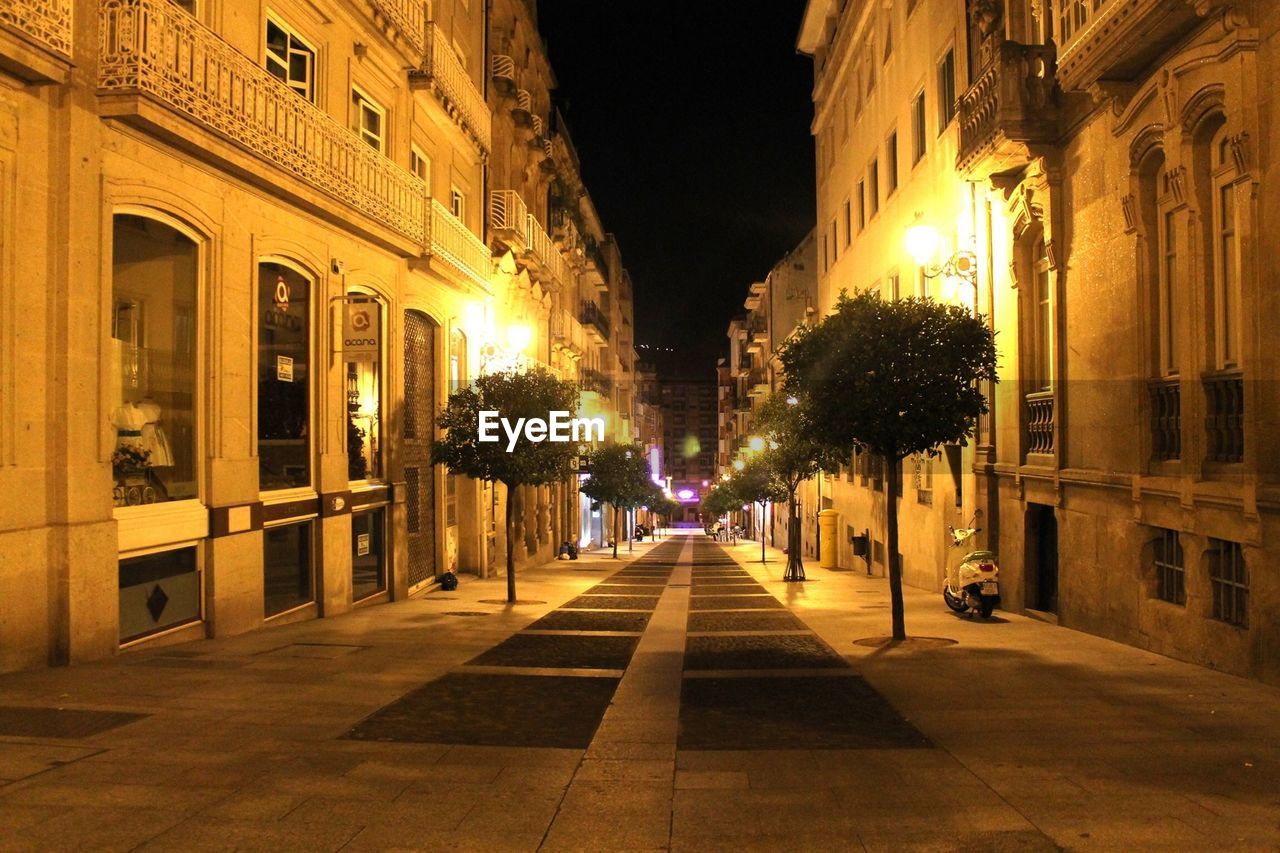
column 795, row 567
column 511, row 552
column 891, row 543
column 631, row 531
column 762, row 557
column 617, row 530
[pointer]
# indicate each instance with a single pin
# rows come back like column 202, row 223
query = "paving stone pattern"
column 736, row 620
column 591, row 620
column 734, row 602
column 753, row 652
column 612, row 602
column 569, row 651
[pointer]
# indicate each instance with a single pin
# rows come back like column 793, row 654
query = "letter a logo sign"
column 282, row 294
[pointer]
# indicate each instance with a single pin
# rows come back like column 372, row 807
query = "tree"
column 532, row 394
column 794, row 454
column 891, row 378
column 619, row 475
column 719, row 500
column 756, row 483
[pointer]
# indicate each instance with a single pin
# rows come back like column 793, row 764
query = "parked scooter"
column 973, row 581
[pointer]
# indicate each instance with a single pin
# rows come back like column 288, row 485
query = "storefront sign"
column 362, row 544
column 362, row 338
column 284, row 368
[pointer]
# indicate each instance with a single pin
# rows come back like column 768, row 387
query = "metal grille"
column 1170, row 570
column 419, row 421
column 1230, row 580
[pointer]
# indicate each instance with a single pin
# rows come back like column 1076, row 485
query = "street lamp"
column 738, row 465
column 922, row 242
column 756, row 443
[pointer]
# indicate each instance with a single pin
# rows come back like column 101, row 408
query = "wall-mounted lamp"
column 922, row 242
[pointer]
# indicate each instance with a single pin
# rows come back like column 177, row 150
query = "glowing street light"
column 738, row 465
column 922, row 243
column 756, row 443
column 519, row 337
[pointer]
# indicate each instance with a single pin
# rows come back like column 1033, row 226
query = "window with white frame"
column 458, row 203
column 291, row 59
column 946, row 90
column 370, row 120
column 420, row 164
column 919, row 139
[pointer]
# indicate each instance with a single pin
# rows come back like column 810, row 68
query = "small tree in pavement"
column 719, row 500
column 891, row 378
column 756, row 483
column 794, row 454
column 532, row 394
column 619, row 476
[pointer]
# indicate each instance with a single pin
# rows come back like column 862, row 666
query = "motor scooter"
column 972, row 583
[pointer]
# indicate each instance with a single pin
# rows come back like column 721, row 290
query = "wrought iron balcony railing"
column 154, row 49
column 597, row 381
column 453, row 242
column 455, row 88
column 1010, row 108
column 1224, row 415
column 1165, row 396
column 509, row 218
column 1039, row 420
column 594, row 319
column 45, row 23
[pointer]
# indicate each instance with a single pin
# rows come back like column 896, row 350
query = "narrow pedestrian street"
column 679, row 698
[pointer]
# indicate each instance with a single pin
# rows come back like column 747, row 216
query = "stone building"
column 253, row 262
column 1091, row 177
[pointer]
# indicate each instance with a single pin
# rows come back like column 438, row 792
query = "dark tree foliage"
column 892, row 378
column 533, row 394
column 619, row 475
column 794, row 453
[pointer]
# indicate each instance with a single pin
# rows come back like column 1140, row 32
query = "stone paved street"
column 611, row 717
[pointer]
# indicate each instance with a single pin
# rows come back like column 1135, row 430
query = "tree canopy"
column 893, row 378
column 618, row 475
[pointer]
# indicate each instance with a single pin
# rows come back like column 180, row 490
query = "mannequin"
column 129, row 420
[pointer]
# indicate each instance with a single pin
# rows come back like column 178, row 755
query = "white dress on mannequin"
column 153, row 435
column 129, row 420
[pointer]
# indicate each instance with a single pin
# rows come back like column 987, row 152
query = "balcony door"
column 419, row 430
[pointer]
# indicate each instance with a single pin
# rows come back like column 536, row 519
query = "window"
column 835, row 244
column 1155, row 269
column 893, row 285
column 286, row 567
column 888, row 30
column 1230, row 581
column 1168, row 335
column 919, row 139
column 362, row 354
column 284, row 378
column 946, row 90
column 873, row 186
column 370, row 120
column 290, row 59
column 848, row 222
column 826, row 264
column 368, row 553
column 420, row 164
column 158, row 592
column 1169, row 568
column 891, row 162
column 154, row 272
column 862, row 205
column 458, row 203
column 1042, row 320
column 1226, row 289
column 923, row 471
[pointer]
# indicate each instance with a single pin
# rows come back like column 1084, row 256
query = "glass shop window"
column 368, row 553
column 286, row 567
column 284, row 397
column 158, row 592
column 362, row 353
column 153, row 375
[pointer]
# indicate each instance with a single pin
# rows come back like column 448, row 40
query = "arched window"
column 1159, row 263
column 1042, row 316
column 362, row 354
column 1213, row 174
column 284, row 377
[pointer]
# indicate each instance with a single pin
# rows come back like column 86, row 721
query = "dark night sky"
column 692, row 121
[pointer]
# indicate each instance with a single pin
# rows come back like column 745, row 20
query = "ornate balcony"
column 509, row 219
column 502, row 70
column 1224, row 416
column 40, row 46
column 565, row 333
column 453, row 243
column 1117, row 39
column 597, row 381
column 1165, row 396
column 1009, row 110
column 450, row 82
column 594, row 321
column 757, row 382
column 154, row 54
column 404, row 18
column 546, row 255
column 1039, row 420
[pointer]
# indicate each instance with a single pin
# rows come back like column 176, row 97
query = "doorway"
column 1042, row 558
column 419, row 430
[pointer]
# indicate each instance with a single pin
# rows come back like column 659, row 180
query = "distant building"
column 691, row 434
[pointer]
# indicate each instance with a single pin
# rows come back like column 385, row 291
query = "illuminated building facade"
column 1100, row 167
column 258, row 250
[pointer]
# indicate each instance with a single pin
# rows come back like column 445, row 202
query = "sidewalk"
column 352, row 733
